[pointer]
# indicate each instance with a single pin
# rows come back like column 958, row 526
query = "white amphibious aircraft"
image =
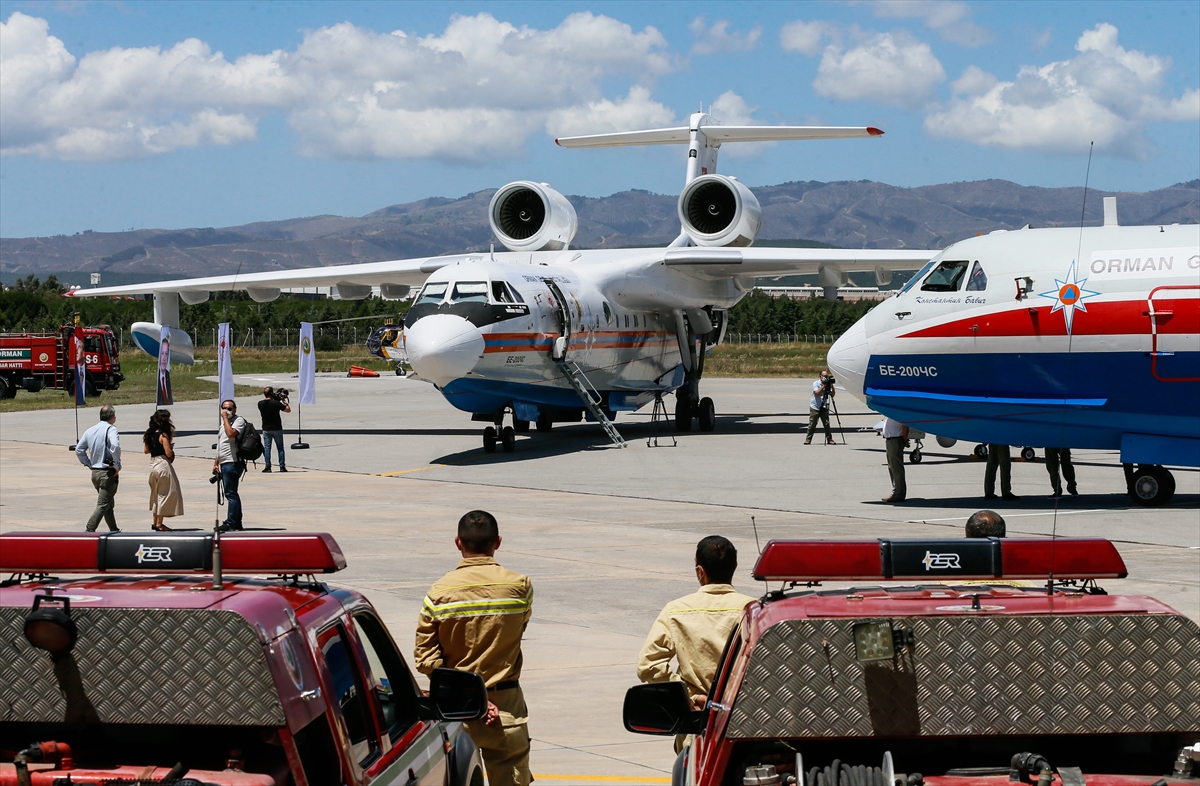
column 544, row 332
column 1070, row 338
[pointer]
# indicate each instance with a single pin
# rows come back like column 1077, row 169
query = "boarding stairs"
column 591, row 399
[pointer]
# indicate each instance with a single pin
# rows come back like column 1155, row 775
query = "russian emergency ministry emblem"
column 1069, row 295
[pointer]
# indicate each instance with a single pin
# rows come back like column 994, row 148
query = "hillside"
column 860, row 214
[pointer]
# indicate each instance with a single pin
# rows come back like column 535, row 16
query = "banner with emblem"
column 79, row 359
column 308, row 365
column 164, row 397
column 224, row 364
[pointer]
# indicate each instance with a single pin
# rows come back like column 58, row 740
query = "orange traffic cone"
column 359, row 371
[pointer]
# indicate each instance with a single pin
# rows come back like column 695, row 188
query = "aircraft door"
column 1174, row 321
column 558, row 301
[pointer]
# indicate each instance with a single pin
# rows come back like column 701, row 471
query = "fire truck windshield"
column 93, row 344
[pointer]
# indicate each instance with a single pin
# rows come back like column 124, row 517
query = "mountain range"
column 860, row 214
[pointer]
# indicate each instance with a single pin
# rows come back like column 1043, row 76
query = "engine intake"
column 715, row 210
column 529, row 216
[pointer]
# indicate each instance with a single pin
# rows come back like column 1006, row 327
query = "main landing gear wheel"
column 706, row 413
column 1029, row 454
column 399, row 371
column 489, row 439
column 915, row 457
column 683, row 414
column 508, row 439
column 544, row 423
column 520, row 426
column 1153, row 486
column 981, row 451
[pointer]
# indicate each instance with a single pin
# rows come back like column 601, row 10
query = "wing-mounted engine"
column 716, row 210
column 529, row 216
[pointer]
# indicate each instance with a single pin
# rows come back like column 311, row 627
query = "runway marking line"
column 407, row 471
column 599, row 778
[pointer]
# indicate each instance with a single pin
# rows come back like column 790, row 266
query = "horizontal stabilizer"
column 716, row 133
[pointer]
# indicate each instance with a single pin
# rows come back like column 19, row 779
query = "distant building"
column 843, row 293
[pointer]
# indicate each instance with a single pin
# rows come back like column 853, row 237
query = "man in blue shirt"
column 99, row 450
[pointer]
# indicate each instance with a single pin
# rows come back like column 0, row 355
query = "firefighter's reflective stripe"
column 425, row 757
column 478, row 608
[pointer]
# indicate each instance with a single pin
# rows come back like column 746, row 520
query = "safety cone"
column 359, row 371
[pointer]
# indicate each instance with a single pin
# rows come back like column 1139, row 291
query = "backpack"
column 249, row 444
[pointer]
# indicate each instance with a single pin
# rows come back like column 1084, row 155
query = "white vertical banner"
column 224, row 363
column 308, row 365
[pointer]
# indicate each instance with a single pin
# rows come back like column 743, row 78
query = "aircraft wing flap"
column 411, row 272
column 713, row 263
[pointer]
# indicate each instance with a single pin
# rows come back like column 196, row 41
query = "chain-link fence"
column 779, row 338
column 268, row 338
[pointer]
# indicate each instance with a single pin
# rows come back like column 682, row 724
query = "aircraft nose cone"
column 848, row 358
column 443, row 347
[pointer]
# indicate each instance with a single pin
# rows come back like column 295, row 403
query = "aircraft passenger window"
column 978, row 280
column 607, row 313
column 390, row 679
column 626, row 320
column 635, row 324
column 432, row 293
column 947, row 277
column 348, row 693
column 470, row 292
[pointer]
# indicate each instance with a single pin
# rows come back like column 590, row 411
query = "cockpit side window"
column 978, row 280
column 432, row 293
column 470, row 292
column 912, row 282
column 946, row 277
column 503, row 293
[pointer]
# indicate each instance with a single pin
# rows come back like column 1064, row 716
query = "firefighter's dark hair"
column 477, row 530
column 986, row 524
column 718, row 557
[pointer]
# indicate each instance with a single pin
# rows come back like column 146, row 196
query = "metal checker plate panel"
column 985, row 675
column 166, row 666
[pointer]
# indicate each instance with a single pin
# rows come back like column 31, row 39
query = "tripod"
column 828, row 400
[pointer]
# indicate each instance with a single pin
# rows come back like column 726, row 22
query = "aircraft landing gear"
column 1153, row 485
column 489, row 439
column 505, row 435
column 520, row 426
column 544, row 424
column 508, row 439
column 683, row 411
column 1029, row 454
column 980, row 451
column 707, row 414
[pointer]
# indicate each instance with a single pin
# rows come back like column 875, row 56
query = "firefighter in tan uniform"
column 473, row 619
column 693, row 629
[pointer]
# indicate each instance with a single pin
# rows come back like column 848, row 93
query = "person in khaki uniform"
column 693, row 629
column 473, row 619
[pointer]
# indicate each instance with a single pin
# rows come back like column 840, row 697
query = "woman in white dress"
column 166, row 496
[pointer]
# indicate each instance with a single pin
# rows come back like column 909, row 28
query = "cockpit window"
column 978, row 280
column 470, row 292
column 912, row 282
column 432, row 293
column 503, row 293
column 946, row 277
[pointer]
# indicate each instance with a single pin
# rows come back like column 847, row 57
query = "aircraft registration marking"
column 908, row 371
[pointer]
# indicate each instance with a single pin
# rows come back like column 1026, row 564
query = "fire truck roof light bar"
column 976, row 558
column 268, row 553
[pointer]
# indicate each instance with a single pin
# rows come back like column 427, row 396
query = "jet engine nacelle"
column 719, row 211
column 529, row 216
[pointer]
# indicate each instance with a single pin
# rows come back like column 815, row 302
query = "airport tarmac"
column 606, row 534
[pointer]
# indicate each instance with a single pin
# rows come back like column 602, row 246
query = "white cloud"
column 717, row 38
column 891, row 68
column 732, row 110
column 805, row 37
column 1106, row 94
column 635, row 111
column 476, row 91
column 951, row 20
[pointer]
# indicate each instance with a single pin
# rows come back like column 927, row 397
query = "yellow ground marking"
column 406, row 471
column 600, row 778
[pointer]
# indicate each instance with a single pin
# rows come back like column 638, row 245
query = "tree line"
column 37, row 306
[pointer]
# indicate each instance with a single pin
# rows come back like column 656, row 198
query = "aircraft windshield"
column 978, row 280
column 432, row 293
column 912, row 282
column 947, row 277
column 503, row 293
column 470, row 292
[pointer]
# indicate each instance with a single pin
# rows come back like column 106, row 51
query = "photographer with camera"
column 228, row 467
column 273, row 403
column 818, row 406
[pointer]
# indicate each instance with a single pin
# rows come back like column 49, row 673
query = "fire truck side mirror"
column 661, row 708
column 455, row 696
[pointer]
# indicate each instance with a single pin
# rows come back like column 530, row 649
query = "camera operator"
column 818, row 407
column 274, row 402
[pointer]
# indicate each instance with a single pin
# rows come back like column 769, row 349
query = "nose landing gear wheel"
column 1029, row 454
column 981, row 451
column 508, row 439
column 915, row 457
column 683, row 414
column 399, row 371
column 706, row 413
column 1153, row 486
column 489, row 439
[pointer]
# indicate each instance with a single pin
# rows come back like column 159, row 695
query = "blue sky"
column 119, row 115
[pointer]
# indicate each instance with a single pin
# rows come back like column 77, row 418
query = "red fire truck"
column 33, row 361
column 159, row 667
column 1004, row 664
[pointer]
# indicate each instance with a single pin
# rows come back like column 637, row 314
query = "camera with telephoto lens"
column 829, row 381
column 216, row 476
column 281, row 395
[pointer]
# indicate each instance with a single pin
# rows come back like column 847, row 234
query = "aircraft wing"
column 398, row 273
column 714, row 263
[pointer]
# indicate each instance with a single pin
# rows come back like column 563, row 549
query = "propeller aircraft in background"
column 1067, row 338
column 545, row 333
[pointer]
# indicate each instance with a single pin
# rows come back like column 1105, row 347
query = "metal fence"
column 780, row 338
column 268, row 338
